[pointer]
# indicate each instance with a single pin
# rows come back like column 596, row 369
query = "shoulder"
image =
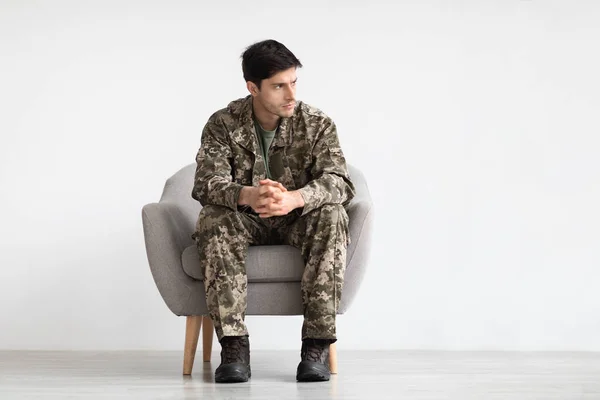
column 231, row 114
column 313, row 122
column 311, row 114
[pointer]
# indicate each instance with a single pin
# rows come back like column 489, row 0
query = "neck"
column 267, row 120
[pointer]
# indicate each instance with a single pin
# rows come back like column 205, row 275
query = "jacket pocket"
column 242, row 167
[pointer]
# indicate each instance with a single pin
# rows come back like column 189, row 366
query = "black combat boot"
column 235, row 360
column 315, row 361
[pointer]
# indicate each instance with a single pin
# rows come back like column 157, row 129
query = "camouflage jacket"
column 305, row 155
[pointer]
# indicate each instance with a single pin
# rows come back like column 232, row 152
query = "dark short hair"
column 264, row 59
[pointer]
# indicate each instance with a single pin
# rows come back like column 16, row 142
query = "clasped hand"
column 271, row 199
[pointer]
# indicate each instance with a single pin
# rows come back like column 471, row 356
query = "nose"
column 290, row 93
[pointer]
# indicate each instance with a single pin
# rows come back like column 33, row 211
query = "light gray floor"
column 362, row 375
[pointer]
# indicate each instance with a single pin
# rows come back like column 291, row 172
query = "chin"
column 288, row 113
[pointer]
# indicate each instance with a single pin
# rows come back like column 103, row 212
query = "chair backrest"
column 178, row 190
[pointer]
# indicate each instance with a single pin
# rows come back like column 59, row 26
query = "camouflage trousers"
column 223, row 236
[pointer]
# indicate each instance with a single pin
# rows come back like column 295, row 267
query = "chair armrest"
column 359, row 211
column 167, row 232
column 361, row 214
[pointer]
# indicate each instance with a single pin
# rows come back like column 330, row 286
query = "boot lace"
column 234, row 349
column 315, row 350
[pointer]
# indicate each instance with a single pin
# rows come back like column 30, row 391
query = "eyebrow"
column 282, row 83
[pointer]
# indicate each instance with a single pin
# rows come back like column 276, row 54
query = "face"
column 277, row 95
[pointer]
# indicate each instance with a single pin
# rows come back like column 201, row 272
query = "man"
column 271, row 171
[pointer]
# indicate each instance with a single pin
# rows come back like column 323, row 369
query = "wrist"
column 244, row 198
column 298, row 199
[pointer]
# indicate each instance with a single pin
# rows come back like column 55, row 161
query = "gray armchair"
column 175, row 266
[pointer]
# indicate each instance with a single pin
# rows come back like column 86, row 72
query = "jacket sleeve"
column 213, row 183
column 331, row 182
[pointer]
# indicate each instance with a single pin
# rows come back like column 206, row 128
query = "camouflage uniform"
column 306, row 156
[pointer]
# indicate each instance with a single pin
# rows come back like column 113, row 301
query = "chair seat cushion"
column 280, row 263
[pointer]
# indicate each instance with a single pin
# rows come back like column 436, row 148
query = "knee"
column 328, row 221
column 213, row 211
column 333, row 208
column 329, row 217
column 214, row 217
column 334, row 213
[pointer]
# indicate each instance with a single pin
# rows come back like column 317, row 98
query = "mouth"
column 289, row 106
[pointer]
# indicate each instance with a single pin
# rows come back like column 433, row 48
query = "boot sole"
column 233, row 373
column 310, row 371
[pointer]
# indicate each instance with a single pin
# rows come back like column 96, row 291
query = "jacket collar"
column 245, row 133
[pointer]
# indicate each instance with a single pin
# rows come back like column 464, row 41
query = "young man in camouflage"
column 271, row 171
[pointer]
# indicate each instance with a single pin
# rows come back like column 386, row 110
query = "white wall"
column 476, row 124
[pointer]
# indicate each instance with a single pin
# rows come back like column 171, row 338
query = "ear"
column 252, row 88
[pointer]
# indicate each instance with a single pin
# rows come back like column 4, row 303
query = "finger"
column 264, row 210
column 266, row 198
column 264, row 202
column 270, row 192
column 268, row 203
column 266, row 193
column 262, row 189
column 265, row 215
column 278, row 185
column 269, row 182
column 277, row 196
column 269, row 214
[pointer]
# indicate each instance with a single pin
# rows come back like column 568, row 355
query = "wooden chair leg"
column 333, row 358
column 192, row 331
column 207, row 337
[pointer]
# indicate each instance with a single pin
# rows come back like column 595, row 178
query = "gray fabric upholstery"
column 274, row 272
column 263, row 263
